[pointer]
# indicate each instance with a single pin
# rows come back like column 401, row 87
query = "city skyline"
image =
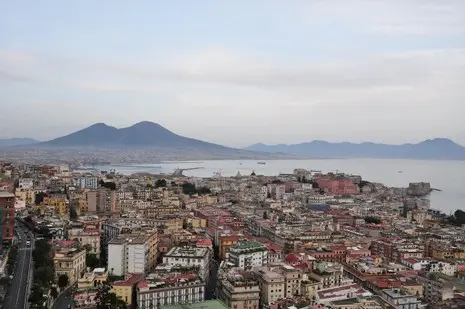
column 236, row 73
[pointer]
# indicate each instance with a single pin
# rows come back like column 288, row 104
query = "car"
column 28, row 243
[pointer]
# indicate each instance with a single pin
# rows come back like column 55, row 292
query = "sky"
column 236, row 72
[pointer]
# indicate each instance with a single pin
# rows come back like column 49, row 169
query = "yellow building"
column 26, row 195
column 124, row 289
column 448, row 253
column 225, row 242
column 60, row 204
column 197, row 222
column 93, row 278
column 70, row 262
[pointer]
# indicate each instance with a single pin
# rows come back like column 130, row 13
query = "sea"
column 447, row 176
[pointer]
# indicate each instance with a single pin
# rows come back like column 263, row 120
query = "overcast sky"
column 236, row 72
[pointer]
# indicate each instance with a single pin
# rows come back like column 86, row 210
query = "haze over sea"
column 448, row 176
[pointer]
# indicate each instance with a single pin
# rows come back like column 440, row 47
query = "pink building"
column 338, row 186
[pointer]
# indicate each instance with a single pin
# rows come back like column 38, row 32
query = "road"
column 17, row 292
column 63, row 301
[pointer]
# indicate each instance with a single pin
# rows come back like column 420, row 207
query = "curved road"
column 18, row 289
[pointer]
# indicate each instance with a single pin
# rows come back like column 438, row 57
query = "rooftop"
column 210, row 304
column 187, row 252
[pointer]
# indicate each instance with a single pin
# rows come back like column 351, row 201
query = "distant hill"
column 139, row 136
column 22, row 141
column 438, row 148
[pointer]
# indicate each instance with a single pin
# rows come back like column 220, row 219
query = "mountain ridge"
column 435, row 148
column 17, row 141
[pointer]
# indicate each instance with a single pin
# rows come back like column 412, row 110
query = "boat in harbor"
column 261, row 162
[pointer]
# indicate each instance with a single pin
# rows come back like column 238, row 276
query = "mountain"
column 141, row 135
column 22, row 141
column 438, row 148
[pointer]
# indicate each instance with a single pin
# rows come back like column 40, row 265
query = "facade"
column 247, row 254
column 132, row 254
column 172, row 288
column 239, row 291
column 86, row 182
column 272, row 285
column 26, row 195
column 26, row 183
column 7, row 218
column 70, row 262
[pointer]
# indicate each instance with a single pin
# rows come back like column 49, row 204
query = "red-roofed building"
column 124, row 289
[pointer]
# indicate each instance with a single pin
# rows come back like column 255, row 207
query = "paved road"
column 17, row 291
column 63, row 301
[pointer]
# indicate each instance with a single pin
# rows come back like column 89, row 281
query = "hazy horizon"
column 236, row 73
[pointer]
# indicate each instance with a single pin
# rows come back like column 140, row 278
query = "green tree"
column 54, row 292
column 63, row 281
column 12, row 258
column 73, row 213
column 203, row 191
column 374, row 220
column 45, row 275
column 160, row 183
column 189, row 188
column 37, row 294
column 265, row 215
column 92, row 261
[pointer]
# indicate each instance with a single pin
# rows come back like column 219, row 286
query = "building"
column 125, row 289
column 26, row 183
column 272, row 285
column 132, row 254
column 190, row 256
column 7, row 218
column 247, row 254
column 26, row 195
column 86, row 182
column 170, row 288
column 239, row 290
column 70, row 262
column 401, row 299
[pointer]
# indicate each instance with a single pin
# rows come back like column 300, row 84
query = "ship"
column 261, row 162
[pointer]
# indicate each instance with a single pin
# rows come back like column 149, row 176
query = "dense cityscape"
column 308, row 239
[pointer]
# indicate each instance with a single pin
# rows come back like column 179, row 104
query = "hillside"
column 9, row 142
column 438, row 148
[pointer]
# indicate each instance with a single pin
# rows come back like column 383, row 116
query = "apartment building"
column 26, row 195
column 70, row 262
column 401, row 299
column 25, row 183
column 247, row 254
column 132, row 254
column 190, row 256
column 86, row 182
column 7, row 218
column 170, row 288
column 239, row 290
column 272, row 285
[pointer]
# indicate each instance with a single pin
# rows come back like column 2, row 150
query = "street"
column 63, row 301
column 17, row 292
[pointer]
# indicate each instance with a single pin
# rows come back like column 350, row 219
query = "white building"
column 26, row 183
column 170, row 288
column 188, row 257
column 131, row 254
column 86, row 182
column 246, row 254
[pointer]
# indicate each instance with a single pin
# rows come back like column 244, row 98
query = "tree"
column 373, row 220
column 265, row 215
column 103, row 297
column 92, row 261
column 45, row 275
column 189, row 188
column 63, row 281
column 203, row 190
column 458, row 218
column 12, row 258
column 54, row 292
column 73, row 213
column 160, row 183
